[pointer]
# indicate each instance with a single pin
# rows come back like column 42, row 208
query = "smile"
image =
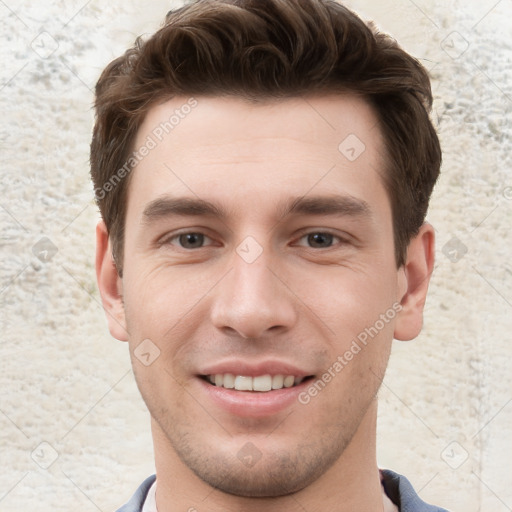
column 260, row 383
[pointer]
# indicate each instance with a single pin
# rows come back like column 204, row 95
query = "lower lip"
column 253, row 404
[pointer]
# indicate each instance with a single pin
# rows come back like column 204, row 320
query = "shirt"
column 397, row 487
column 150, row 501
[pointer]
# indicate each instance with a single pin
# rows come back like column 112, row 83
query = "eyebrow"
column 334, row 205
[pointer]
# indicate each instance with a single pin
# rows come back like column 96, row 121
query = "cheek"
column 168, row 306
column 341, row 300
column 348, row 300
column 158, row 297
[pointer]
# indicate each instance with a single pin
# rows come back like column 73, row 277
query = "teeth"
column 277, row 381
column 241, row 383
column 260, row 383
column 229, row 381
column 289, row 380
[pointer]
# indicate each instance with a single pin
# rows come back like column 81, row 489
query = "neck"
column 351, row 483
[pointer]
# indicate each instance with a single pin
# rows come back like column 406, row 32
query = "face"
column 258, row 253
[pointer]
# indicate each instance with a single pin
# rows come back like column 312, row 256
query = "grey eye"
column 191, row 240
column 320, row 239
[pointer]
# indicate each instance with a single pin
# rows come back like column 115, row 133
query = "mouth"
column 253, row 388
column 260, row 383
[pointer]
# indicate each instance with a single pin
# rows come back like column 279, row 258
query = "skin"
column 300, row 301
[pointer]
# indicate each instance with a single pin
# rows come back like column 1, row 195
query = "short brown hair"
column 269, row 49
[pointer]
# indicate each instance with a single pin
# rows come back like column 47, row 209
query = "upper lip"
column 268, row 367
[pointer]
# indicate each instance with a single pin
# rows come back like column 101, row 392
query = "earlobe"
column 109, row 284
column 414, row 279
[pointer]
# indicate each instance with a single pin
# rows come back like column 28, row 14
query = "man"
column 263, row 171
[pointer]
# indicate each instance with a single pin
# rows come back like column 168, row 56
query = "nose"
column 253, row 300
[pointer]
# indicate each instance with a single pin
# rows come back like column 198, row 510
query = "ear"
column 110, row 284
column 415, row 277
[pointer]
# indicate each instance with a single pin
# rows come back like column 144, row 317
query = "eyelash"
column 342, row 241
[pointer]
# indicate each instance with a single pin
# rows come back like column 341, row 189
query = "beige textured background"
column 74, row 433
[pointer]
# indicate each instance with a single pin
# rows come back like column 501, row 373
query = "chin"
column 268, row 473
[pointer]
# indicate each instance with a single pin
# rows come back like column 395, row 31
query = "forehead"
column 223, row 145
column 330, row 117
